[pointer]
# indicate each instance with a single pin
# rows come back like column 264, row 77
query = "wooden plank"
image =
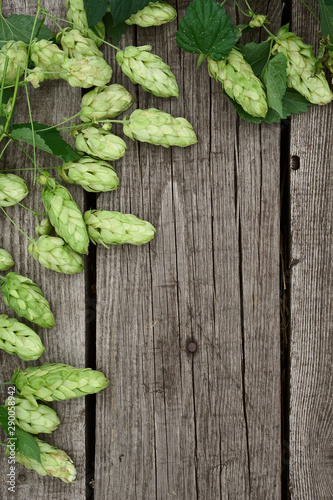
column 65, row 343
column 311, row 293
column 203, row 425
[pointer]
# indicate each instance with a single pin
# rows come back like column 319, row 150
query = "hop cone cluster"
column 17, row 338
column 55, row 254
column 258, row 21
column 74, row 44
column 240, row 83
column 100, row 143
column 148, row 70
column 32, row 419
column 154, row 14
column 57, row 382
column 27, row 300
column 48, row 58
column 301, row 68
column 160, row 128
column 86, row 72
column 64, row 214
column 95, row 176
column 54, row 462
column 6, row 260
column 104, row 103
column 44, row 227
column 12, row 189
column 17, row 56
column 115, row 228
column 76, row 15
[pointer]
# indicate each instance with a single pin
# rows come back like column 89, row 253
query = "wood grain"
column 65, row 343
column 206, row 425
column 311, row 278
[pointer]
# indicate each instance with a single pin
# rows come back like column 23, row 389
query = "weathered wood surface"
column 206, row 425
column 65, row 343
column 311, row 278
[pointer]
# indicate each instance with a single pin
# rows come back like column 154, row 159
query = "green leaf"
column 206, row 29
column 4, row 419
column 274, row 76
column 122, row 10
column 47, row 140
column 27, row 445
column 256, row 54
column 114, row 32
column 326, row 18
column 95, row 11
column 19, row 27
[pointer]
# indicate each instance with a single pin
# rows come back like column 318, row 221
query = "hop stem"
column 11, row 220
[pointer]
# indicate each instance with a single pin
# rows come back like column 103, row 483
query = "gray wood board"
column 175, row 424
column 311, row 283
column 64, row 343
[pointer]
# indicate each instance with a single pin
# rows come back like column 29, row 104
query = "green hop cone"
column 48, row 58
column 100, row 143
column 36, row 76
column 12, row 189
column 301, row 68
column 32, row 419
column 64, row 214
column 87, row 72
column 54, row 462
column 240, row 83
column 45, row 227
column 27, row 300
column 258, row 21
column 76, row 15
column 6, row 260
column 17, row 55
column 104, row 103
column 115, row 228
column 74, row 44
column 148, row 70
column 154, row 14
column 18, row 338
column 53, row 253
column 159, row 128
column 95, row 176
column 57, row 382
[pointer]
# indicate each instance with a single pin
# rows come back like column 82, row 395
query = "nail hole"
column 192, row 346
column 295, row 162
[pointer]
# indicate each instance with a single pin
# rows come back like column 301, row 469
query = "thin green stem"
column 270, row 33
column 9, row 117
column 314, row 15
column 248, row 5
column 28, row 168
column 58, row 124
column 33, row 133
column 11, row 220
column 244, row 13
column 26, row 153
column 3, row 80
column 32, row 211
column 6, row 383
column 5, row 147
column 3, row 444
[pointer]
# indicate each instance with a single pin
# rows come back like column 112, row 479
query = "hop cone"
column 17, row 338
column 55, row 254
column 258, row 21
column 301, row 68
column 64, row 214
column 76, row 15
column 6, row 260
column 36, row 76
column 48, row 58
column 17, row 55
column 57, row 382
column 12, row 189
column 100, row 143
column 74, row 44
column 160, row 128
column 104, row 103
column 44, row 227
column 95, row 176
column 54, row 462
column 155, row 14
column 27, row 300
column 34, row 419
column 329, row 60
column 115, row 228
column 148, row 70
column 87, row 72
column 240, row 83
